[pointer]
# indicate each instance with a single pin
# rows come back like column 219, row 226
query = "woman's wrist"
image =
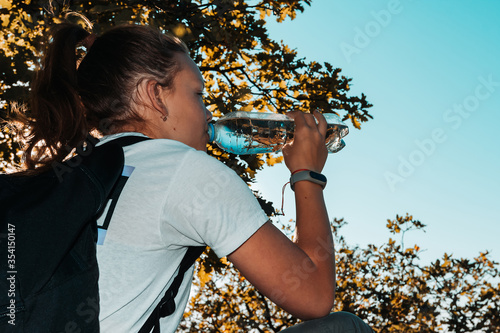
column 307, row 175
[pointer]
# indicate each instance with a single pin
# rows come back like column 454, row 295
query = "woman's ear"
column 154, row 96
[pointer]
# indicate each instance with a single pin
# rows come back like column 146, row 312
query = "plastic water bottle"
column 245, row 133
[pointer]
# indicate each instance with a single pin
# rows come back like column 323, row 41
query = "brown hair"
column 68, row 102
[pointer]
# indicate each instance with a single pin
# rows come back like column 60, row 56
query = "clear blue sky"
column 432, row 72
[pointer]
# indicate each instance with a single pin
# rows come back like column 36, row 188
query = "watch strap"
column 308, row 175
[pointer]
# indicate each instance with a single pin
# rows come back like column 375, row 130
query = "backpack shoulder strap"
column 119, row 183
column 166, row 306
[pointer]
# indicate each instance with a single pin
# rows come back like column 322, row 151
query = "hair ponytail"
column 67, row 103
column 56, row 107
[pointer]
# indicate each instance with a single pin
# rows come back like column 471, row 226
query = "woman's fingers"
column 308, row 150
column 313, row 120
column 322, row 125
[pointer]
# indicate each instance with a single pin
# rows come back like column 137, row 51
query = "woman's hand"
column 308, row 149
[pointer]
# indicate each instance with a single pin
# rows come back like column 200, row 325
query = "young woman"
column 136, row 81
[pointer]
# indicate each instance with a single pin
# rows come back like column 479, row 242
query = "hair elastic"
column 89, row 41
column 293, row 173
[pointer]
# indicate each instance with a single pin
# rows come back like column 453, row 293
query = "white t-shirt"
column 175, row 197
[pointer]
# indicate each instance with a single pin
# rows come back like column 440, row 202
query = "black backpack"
column 48, row 233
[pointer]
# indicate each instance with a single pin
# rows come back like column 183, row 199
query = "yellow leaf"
column 204, row 277
column 245, row 57
column 246, row 108
column 7, row 4
column 262, row 14
column 180, row 30
column 356, row 122
column 272, row 160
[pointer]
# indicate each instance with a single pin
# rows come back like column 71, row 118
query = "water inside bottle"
column 256, row 136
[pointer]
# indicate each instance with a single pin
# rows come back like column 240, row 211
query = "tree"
column 385, row 285
column 243, row 68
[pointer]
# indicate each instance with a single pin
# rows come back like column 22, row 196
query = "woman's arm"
column 298, row 276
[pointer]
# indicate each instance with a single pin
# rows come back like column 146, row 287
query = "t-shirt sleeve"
column 209, row 204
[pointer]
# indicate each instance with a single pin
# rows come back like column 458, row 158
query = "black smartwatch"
column 308, row 175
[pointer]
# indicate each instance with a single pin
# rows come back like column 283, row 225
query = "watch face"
column 317, row 176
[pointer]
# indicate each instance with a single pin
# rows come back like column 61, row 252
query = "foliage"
column 243, row 68
column 385, row 285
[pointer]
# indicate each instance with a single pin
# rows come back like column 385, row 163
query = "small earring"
column 164, row 118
